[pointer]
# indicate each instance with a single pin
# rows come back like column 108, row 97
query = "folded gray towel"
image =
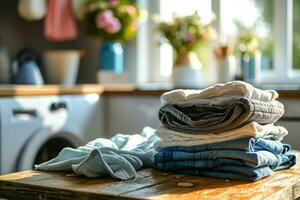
column 203, row 118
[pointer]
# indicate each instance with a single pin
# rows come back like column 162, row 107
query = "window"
column 180, row 8
column 255, row 16
column 279, row 33
column 296, row 35
column 159, row 57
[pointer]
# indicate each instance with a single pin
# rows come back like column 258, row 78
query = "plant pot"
column 61, row 66
column 187, row 71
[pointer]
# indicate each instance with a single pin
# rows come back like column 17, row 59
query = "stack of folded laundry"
column 224, row 131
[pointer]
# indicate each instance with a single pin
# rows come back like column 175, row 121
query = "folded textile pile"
column 224, row 131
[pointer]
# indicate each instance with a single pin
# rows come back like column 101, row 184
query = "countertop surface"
column 148, row 184
column 124, row 90
column 44, row 90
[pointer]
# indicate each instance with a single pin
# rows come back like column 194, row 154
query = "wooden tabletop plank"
column 105, row 187
column 149, row 184
column 280, row 185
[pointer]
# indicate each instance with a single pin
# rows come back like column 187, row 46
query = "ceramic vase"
column 111, row 57
column 226, row 69
column 32, row 10
column 251, row 67
column 187, row 71
column 61, row 66
column 111, row 64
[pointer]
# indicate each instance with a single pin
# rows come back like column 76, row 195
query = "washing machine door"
column 52, row 127
column 45, row 145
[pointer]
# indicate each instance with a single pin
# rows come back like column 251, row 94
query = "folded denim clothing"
column 119, row 157
column 202, row 118
column 197, row 164
column 252, row 159
column 229, row 89
column 248, row 144
column 286, row 161
column 239, row 173
column 171, row 138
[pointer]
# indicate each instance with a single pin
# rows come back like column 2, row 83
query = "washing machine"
column 35, row 129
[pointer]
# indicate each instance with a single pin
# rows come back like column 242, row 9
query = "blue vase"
column 111, row 57
column 251, row 68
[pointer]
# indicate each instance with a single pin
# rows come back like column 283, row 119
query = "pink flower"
column 189, row 38
column 135, row 25
column 103, row 18
column 113, row 26
column 113, row 2
column 92, row 6
column 107, row 21
column 131, row 10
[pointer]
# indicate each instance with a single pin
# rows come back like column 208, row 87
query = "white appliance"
column 35, row 129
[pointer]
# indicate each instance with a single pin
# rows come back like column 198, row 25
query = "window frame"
column 148, row 56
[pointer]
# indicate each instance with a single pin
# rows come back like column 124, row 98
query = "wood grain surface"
column 30, row 90
column 148, row 184
column 120, row 90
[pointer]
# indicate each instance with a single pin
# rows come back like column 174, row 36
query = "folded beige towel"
column 226, row 91
column 170, row 138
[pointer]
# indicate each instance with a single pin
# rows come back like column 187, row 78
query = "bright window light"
column 180, row 8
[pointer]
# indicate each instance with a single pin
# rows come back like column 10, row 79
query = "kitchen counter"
column 123, row 90
column 44, row 90
column 148, row 184
column 31, row 90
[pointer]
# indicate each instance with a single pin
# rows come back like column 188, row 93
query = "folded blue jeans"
column 252, row 159
column 283, row 162
column 244, row 144
column 239, row 173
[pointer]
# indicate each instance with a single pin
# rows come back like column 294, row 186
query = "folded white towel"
column 227, row 91
column 170, row 138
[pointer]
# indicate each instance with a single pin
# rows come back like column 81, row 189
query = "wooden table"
column 148, row 184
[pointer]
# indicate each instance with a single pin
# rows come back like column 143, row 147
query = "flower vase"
column 187, row 71
column 251, row 66
column 111, row 63
column 226, row 69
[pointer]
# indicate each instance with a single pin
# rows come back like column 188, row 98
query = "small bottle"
column 4, row 64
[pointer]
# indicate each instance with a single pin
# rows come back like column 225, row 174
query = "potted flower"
column 185, row 34
column 114, row 22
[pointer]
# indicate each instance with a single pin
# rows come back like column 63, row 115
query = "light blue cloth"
column 118, row 157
